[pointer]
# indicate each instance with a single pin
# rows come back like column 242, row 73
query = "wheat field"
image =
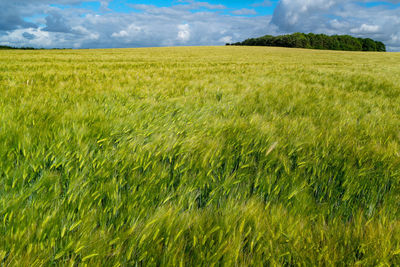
column 199, row 156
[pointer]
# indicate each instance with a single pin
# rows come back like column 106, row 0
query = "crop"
column 199, row 156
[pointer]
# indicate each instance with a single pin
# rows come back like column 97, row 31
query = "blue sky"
column 129, row 23
column 126, row 6
column 266, row 7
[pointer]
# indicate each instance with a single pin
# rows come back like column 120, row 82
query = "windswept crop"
column 199, row 156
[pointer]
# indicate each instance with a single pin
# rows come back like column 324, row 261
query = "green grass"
column 199, row 156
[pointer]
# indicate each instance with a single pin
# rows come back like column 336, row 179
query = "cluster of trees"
column 317, row 41
column 4, row 47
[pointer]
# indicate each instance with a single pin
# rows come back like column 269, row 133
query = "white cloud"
column 244, row 11
column 131, row 31
column 365, row 28
column 184, row 32
column 226, row 39
column 192, row 4
column 18, row 38
column 120, row 34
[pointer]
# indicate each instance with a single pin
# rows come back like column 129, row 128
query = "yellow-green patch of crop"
column 199, row 156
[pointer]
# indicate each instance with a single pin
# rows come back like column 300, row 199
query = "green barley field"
column 206, row 156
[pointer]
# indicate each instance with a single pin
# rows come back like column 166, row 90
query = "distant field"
column 199, row 156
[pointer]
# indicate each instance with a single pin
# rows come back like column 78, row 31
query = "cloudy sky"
column 129, row 23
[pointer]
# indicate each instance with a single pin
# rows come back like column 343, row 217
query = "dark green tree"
column 317, row 41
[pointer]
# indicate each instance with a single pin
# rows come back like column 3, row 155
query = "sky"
column 152, row 23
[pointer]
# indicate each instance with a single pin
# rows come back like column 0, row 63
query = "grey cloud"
column 28, row 36
column 55, row 22
column 11, row 17
column 13, row 12
column 12, row 21
column 294, row 15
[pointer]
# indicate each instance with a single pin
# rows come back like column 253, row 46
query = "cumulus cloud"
column 55, row 22
column 183, row 33
column 18, row 38
column 379, row 21
column 226, row 39
column 130, row 32
column 186, row 23
column 13, row 13
column 365, row 28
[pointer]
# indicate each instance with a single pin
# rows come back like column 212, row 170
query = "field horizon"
column 190, row 46
column 223, row 155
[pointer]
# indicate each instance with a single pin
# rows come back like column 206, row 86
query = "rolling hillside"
column 199, row 156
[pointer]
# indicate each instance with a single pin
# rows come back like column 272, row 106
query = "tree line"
column 5, row 47
column 316, row 41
